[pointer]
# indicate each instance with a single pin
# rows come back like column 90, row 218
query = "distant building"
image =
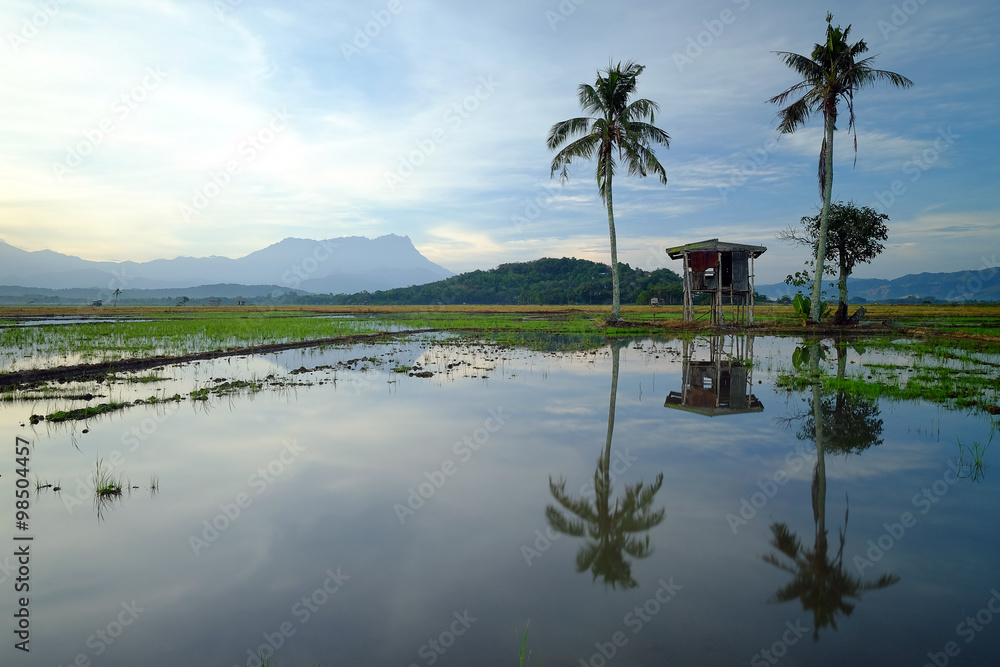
column 97, row 304
column 724, row 270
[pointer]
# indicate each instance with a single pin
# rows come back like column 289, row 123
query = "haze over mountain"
column 340, row 265
column 979, row 285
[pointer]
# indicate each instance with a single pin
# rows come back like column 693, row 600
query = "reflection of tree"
column 851, row 422
column 820, row 583
column 612, row 530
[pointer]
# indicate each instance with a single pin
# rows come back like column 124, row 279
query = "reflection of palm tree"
column 851, row 422
column 821, row 584
column 611, row 530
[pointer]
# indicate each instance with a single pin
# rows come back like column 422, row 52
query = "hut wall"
column 741, row 271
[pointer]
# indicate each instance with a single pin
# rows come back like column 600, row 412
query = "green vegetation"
column 853, row 238
column 85, row 413
column 196, row 332
column 944, row 374
column 541, row 282
column 523, row 654
column 970, row 459
column 106, row 484
column 803, row 308
column 226, row 389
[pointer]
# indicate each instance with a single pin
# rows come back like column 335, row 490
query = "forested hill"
column 544, row 281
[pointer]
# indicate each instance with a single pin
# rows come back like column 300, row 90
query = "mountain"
column 202, row 295
column 331, row 266
column 981, row 285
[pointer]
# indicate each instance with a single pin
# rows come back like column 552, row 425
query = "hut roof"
column 715, row 244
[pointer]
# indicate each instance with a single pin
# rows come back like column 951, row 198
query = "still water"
column 647, row 503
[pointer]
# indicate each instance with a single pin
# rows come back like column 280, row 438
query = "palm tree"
column 833, row 73
column 615, row 125
column 117, row 294
column 611, row 529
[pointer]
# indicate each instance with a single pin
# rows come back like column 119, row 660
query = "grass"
column 176, row 332
column 524, row 657
column 106, row 484
column 85, row 413
column 948, row 373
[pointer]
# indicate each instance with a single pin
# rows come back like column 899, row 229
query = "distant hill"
column 331, row 266
column 982, row 285
column 544, row 281
column 203, row 294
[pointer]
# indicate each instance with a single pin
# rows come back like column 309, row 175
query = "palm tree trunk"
column 819, row 474
column 824, row 221
column 603, row 509
column 615, row 298
column 615, row 347
column 842, row 285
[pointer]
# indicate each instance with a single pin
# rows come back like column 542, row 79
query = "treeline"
column 544, row 281
column 541, row 282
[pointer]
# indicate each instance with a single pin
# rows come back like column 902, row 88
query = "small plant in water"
column 971, row 457
column 106, row 484
column 523, row 654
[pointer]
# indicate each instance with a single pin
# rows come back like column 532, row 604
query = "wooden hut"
column 719, row 385
column 724, row 270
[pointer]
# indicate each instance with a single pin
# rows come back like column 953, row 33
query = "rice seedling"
column 970, row 458
column 523, row 654
column 105, row 483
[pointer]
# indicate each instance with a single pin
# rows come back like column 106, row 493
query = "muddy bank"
column 93, row 372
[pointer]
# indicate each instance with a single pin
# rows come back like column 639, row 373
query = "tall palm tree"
column 615, row 125
column 611, row 529
column 832, row 74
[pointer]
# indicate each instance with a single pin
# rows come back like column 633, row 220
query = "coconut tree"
column 615, row 131
column 831, row 75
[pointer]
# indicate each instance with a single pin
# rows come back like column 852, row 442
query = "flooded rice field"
column 650, row 502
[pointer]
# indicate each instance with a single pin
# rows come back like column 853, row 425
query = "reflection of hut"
column 724, row 270
column 721, row 385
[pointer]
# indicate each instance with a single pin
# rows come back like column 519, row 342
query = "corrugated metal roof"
column 715, row 244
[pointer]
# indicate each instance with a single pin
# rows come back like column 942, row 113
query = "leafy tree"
column 854, row 237
column 830, row 75
column 615, row 126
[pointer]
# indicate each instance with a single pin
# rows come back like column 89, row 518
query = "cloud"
column 435, row 127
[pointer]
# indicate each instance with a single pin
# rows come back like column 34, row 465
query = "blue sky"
column 156, row 128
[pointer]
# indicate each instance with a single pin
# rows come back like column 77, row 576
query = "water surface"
column 378, row 518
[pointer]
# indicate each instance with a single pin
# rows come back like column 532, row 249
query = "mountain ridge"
column 337, row 265
column 971, row 285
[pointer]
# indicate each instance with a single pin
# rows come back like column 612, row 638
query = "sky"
column 145, row 129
